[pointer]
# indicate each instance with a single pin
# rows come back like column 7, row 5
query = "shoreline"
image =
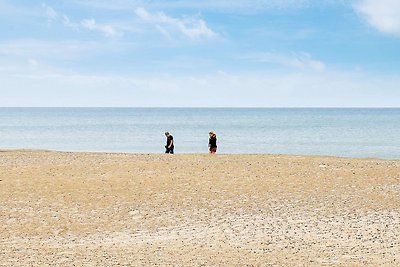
column 97, row 209
column 191, row 154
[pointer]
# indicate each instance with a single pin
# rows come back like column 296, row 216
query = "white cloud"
column 67, row 22
column 294, row 60
column 190, row 27
column 50, row 12
column 107, row 29
column 90, row 24
column 383, row 15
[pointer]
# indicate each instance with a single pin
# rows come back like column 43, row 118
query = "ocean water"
column 300, row 131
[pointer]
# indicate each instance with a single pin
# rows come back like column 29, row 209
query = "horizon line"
column 215, row 107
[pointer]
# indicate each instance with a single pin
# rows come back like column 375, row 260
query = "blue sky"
column 182, row 53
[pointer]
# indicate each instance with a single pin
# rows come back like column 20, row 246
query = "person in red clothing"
column 169, row 147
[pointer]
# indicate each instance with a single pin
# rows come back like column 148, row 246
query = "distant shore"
column 98, row 209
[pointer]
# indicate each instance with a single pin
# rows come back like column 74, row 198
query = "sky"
column 203, row 53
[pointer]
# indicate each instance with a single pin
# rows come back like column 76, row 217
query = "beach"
column 121, row 209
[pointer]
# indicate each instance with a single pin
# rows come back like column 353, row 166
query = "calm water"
column 338, row 132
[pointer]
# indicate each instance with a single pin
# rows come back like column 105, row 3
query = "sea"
column 343, row 132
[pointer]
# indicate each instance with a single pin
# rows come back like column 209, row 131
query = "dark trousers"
column 169, row 150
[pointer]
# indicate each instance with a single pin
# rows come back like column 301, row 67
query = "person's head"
column 211, row 133
column 166, row 133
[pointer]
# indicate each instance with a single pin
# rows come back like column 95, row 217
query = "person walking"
column 169, row 147
column 212, row 142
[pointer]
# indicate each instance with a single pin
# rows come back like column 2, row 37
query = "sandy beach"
column 104, row 209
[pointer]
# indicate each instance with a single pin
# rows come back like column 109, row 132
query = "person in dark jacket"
column 169, row 147
column 212, row 142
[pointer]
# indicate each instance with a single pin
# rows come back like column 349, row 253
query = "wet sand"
column 102, row 209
